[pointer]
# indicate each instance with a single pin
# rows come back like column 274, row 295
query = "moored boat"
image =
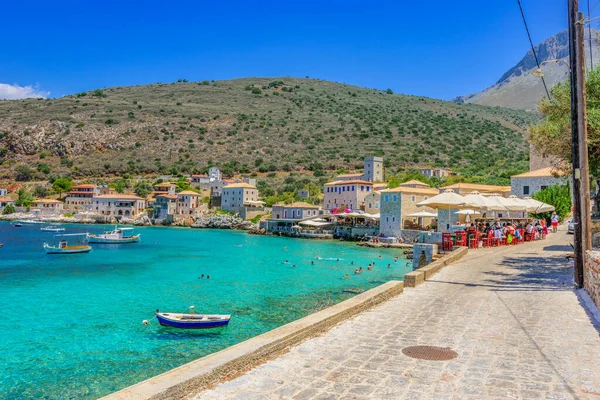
column 62, row 247
column 53, row 228
column 116, row 236
column 192, row 321
column 18, row 225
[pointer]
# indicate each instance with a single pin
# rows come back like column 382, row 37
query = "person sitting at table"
column 497, row 231
column 471, row 229
column 510, row 232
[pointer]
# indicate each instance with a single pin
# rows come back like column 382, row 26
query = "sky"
column 431, row 48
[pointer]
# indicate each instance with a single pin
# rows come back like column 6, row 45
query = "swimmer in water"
column 312, row 263
column 286, row 262
column 337, row 259
column 380, row 257
column 389, row 265
column 207, row 276
column 351, row 262
column 284, row 248
column 346, row 276
column 201, row 276
column 408, row 264
column 294, row 266
column 369, row 268
column 356, row 271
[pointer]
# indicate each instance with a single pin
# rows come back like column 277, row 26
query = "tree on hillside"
column 40, row 191
column 142, row 189
column 24, row 198
column 121, row 186
column 552, row 136
column 9, row 209
column 62, row 185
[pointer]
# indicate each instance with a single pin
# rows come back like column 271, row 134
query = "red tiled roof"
column 119, row 196
column 6, row 200
column 84, row 186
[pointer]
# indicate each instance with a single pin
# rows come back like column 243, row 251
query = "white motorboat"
column 52, row 228
column 116, row 236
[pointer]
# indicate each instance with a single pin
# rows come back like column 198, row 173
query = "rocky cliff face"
column 518, row 88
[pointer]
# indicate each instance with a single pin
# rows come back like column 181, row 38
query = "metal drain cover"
column 432, row 353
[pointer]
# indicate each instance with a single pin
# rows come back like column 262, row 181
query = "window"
column 525, row 189
column 368, row 189
column 353, row 188
column 413, row 199
column 370, row 205
column 362, row 188
column 395, row 198
column 393, row 219
column 543, row 187
column 386, row 198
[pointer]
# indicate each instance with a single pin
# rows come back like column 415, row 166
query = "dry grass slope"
column 253, row 124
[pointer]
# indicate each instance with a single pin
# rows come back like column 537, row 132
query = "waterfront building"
column 165, row 207
column 372, row 202
column 435, row 172
column 398, row 203
column 466, row 188
column 529, row 183
column 294, row 211
column 81, row 196
column 346, row 194
column 47, row 206
column 188, row 202
column 236, row 196
column 5, row 201
column 119, row 204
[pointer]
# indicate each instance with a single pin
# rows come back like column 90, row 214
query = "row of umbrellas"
column 476, row 201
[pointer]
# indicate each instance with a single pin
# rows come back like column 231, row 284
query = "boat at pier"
column 116, row 236
column 62, row 247
column 192, row 321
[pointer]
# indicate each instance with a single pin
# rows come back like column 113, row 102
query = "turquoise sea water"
column 72, row 324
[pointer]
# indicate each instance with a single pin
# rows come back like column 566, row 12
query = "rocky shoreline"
column 208, row 221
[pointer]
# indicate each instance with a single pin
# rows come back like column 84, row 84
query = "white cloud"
column 15, row 92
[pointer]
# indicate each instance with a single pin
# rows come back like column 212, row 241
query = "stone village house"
column 398, row 203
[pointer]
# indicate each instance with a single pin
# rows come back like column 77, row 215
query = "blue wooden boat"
column 192, row 321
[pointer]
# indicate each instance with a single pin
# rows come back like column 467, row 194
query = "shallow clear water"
column 72, row 324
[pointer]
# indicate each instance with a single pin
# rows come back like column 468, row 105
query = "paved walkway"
column 510, row 313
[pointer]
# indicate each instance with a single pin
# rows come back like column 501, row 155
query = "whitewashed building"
column 188, row 202
column 296, row 211
column 118, row 204
column 529, row 183
column 236, row 196
column 346, row 194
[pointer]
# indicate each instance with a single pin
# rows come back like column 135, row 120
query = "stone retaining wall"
column 591, row 276
column 181, row 382
column 420, row 275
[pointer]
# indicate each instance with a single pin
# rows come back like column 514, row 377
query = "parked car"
column 571, row 228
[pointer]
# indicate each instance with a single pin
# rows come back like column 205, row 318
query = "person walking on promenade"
column 554, row 220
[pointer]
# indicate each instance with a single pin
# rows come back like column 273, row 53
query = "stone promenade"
column 510, row 313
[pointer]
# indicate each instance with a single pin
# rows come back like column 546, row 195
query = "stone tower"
column 373, row 169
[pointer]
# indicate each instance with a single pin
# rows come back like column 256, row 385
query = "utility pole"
column 581, row 180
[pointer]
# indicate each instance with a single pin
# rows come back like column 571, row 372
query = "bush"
column 40, row 191
column 62, row 185
column 256, row 91
column 558, row 196
column 23, row 172
column 9, row 209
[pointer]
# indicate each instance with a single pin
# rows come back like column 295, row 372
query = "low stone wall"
column 182, row 382
column 420, row 275
column 429, row 250
column 591, row 275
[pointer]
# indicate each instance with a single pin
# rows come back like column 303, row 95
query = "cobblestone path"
column 510, row 313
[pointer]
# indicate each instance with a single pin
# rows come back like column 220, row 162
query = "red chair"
column 487, row 239
column 461, row 238
column 474, row 240
column 530, row 237
column 447, row 243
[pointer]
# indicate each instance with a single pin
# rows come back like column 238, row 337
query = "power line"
column 590, row 33
column 533, row 48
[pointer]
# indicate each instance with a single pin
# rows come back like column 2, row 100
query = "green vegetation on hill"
column 254, row 125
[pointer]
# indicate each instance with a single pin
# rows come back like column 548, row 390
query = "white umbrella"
column 423, row 214
column 513, row 203
column 447, row 200
column 536, row 206
column 494, row 202
column 468, row 212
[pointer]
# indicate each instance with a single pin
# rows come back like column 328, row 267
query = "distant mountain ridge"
column 518, row 88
